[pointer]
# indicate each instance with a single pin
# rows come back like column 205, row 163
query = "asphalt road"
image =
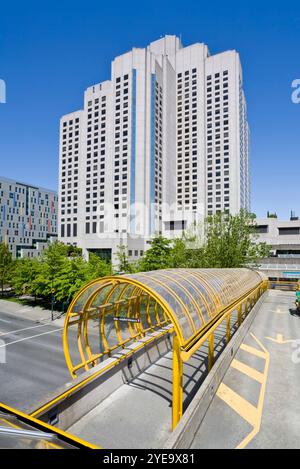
column 34, row 360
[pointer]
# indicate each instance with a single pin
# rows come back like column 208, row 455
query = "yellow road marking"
column 261, row 399
column 254, row 351
column 279, row 339
column 248, row 370
column 240, row 405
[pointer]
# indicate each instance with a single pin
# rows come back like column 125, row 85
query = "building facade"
column 161, row 145
column 283, row 237
column 28, row 217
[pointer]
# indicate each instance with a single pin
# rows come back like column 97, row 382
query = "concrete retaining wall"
column 69, row 410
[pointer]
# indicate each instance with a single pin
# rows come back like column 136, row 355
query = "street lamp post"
column 52, row 301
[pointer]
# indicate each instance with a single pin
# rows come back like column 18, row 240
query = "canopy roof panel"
column 189, row 297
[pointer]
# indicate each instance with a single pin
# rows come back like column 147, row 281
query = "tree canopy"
column 223, row 241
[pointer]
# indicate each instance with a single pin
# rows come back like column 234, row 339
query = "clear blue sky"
column 50, row 51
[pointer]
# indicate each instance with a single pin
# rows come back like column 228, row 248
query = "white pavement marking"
column 24, row 329
column 28, row 338
column 3, row 320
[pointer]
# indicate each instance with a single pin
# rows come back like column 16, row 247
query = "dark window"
column 289, row 231
column 262, row 229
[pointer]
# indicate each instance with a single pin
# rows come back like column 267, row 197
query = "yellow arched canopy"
column 127, row 307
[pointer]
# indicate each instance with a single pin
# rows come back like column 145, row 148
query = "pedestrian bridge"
column 145, row 343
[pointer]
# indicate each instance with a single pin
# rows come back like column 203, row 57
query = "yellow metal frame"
column 211, row 297
column 30, row 420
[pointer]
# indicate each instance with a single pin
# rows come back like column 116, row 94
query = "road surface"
column 34, row 360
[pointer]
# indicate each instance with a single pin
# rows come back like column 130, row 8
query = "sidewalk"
column 257, row 404
column 35, row 313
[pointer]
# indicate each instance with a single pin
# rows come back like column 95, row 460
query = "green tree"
column 123, row 261
column 72, row 276
column 158, row 256
column 25, row 272
column 58, row 274
column 52, row 263
column 97, row 267
column 6, row 265
column 230, row 241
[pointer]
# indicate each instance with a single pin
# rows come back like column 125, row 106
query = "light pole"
column 52, row 300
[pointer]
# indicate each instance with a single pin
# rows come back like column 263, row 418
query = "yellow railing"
column 243, row 307
column 61, row 436
column 130, row 309
column 140, row 313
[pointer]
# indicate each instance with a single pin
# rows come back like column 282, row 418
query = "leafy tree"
column 25, row 272
column 230, row 241
column 96, row 267
column 122, row 256
column 6, row 265
column 178, row 254
column 52, row 263
column 158, row 256
column 72, row 276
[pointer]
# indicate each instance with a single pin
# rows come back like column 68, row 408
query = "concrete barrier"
column 65, row 411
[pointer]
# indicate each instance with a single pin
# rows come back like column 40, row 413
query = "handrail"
column 44, row 427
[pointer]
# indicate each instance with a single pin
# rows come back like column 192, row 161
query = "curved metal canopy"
column 187, row 298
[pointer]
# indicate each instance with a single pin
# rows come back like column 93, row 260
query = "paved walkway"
column 138, row 414
column 33, row 313
column 258, row 403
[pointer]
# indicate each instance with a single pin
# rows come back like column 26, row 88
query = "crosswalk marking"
column 252, row 414
column 240, row 405
column 248, row 370
column 253, row 351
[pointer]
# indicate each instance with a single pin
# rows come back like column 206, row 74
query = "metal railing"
column 138, row 316
column 21, row 426
column 243, row 307
column 138, row 313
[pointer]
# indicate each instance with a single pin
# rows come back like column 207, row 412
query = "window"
column 261, row 228
column 289, row 231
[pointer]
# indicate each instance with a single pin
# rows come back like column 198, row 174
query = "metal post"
column 246, row 307
column 177, row 403
column 240, row 314
column 228, row 329
column 211, row 347
column 52, row 302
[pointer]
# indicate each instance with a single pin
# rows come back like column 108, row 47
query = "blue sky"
column 51, row 51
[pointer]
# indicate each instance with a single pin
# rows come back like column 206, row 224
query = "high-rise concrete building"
column 28, row 217
column 161, row 145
